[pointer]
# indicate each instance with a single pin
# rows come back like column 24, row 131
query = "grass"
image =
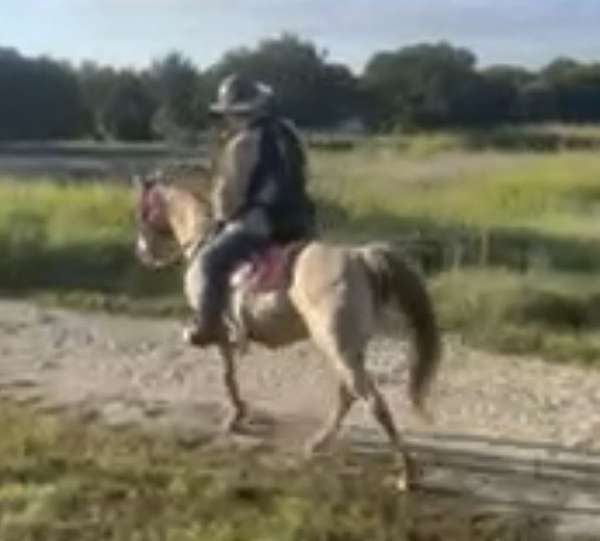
column 512, row 264
column 542, row 193
column 555, row 315
column 63, row 480
column 544, row 138
column 514, row 211
column 63, row 237
column 511, row 241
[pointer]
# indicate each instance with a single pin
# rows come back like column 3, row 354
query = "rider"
column 259, row 195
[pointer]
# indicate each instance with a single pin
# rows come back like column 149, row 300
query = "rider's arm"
column 240, row 157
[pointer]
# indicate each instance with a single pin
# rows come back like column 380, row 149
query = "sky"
column 133, row 32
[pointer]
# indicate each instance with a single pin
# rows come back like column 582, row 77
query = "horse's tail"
column 395, row 283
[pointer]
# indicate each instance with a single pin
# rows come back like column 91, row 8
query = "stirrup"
column 198, row 337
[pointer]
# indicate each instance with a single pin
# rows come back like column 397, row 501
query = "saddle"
column 259, row 289
column 268, row 270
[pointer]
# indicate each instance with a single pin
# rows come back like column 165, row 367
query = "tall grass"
column 555, row 315
column 505, row 235
column 514, row 238
column 479, row 190
column 530, row 208
column 540, row 138
column 70, row 236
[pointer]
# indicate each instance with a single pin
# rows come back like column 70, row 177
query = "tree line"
column 422, row 86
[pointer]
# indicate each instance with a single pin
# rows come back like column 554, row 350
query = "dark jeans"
column 218, row 259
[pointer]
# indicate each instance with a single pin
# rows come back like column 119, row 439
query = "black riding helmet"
column 238, row 95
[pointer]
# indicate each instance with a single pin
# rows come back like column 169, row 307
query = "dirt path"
column 137, row 372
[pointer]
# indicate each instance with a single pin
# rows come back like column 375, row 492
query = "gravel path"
column 512, row 414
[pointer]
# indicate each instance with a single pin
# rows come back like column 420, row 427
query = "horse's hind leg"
column 368, row 391
column 382, row 413
column 324, row 437
column 356, row 382
column 239, row 409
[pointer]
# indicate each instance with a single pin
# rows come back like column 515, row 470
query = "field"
column 64, row 480
column 506, row 236
column 509, row 240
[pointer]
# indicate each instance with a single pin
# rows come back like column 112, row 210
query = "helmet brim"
column 258, row 104
column 225, row 109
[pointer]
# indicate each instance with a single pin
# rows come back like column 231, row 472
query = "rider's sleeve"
column 240, row 157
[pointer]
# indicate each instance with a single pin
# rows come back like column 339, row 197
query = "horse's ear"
column 137, row 182
column 142, row 182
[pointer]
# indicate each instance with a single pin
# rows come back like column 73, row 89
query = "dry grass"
column 62, row 480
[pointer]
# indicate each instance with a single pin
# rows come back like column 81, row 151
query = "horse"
column 335, row 295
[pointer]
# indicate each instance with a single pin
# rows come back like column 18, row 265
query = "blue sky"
column 132, row 32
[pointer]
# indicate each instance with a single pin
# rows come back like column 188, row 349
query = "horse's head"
column 173, row 214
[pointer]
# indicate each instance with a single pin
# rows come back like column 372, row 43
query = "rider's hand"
column 218, row 226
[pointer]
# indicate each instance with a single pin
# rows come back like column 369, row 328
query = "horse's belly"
column 272, row 320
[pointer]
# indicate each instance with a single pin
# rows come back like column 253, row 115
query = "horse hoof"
column 195, row 337
column 410, row 478
column 315, row 447
column 309, row 451
column 231, row 427
column 403, row 484
column 234, row 423
column 189, row 335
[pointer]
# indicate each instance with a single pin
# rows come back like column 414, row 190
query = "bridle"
column 190, row 249
column 151, row 218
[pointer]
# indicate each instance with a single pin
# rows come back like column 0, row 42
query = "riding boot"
column 202, row 335
column 207, row 325
column 210, row 282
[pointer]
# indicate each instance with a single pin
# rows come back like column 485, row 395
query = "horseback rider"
column 259, row 195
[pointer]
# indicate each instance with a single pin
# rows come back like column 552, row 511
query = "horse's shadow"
column 259, row 423
column 488, row 477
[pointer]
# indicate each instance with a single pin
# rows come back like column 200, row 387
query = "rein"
column 190, row 249
column 153, row 214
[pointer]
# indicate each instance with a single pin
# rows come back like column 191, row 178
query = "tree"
column 181, row 93
column 578, row 93
column 130, row 109
column 537, row 101
column 39, row 99
column 503, row 84
column 97, row 84
column 308, row 89
column 558, row 69
column 417, row 85
column 420, row 86
column 338, row 94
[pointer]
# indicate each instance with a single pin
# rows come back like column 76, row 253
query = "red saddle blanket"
column 269, row 269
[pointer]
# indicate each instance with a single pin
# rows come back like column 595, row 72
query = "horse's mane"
column 186, row 179
column 193, row 177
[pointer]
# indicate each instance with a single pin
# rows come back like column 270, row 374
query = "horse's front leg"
column 239, row 409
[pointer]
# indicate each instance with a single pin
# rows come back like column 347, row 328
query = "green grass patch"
column 66, row 236
column 517, row 211
column 528, row 223
column 151, row 305
column 539, row 138
column 553, row 315
column 62, row 480
column 482, row 191
column 512, row 240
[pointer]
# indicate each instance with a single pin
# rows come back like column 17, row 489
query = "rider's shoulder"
column 290, row 126
column 244, row 142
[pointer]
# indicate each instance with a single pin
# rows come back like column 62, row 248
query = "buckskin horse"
column 334, row 295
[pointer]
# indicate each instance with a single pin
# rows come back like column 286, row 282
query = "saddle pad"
column 269, row 270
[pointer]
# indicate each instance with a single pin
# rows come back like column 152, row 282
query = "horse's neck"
column 189, row 217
